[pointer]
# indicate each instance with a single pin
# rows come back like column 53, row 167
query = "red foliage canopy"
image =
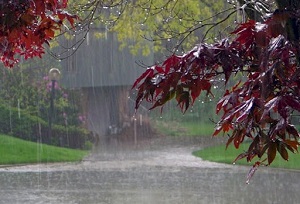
column 259, row 107
column 25, row 25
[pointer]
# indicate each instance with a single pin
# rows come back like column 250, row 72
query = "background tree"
column 147, row 26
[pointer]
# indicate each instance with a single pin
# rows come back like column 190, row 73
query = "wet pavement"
column 154, row 172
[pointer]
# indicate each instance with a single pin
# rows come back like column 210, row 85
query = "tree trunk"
column 292, row 25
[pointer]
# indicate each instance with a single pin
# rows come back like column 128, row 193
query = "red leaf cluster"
column 26, row 25
column 260, row 107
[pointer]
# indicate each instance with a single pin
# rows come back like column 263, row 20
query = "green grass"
column 219, row 154
column 184, row 128
column 17, row 151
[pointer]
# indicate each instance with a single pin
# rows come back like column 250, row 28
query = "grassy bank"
column 184, row 128
column 219, row 154
column 17, row 151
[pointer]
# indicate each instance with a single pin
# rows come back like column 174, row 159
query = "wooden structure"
column 105, row 74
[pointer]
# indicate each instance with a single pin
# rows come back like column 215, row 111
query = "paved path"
column 155, row 172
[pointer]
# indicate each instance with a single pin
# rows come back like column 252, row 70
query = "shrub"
column 67, row 136
column 19, row 123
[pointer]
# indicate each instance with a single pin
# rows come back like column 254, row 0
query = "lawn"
column 17, row 151
column 219, row 154
column 184, row 128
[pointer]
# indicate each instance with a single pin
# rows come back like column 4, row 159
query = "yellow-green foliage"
column 159, row 20
column 136, row 21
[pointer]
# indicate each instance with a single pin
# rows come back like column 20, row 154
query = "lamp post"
column 54, row 75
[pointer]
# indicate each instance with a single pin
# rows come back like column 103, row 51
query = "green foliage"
column 25, row 106
column 88, row 145
column 161, row 22
column 183, row 128
column 19, row 123
column 68, row 136
column 17, row 151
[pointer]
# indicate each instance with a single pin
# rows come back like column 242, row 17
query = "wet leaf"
column 241, row 156
column 292, row 102
column 262, row 151
column 230, row 139
column 292, row 131
column 171, row 62
column 183, row 100
column 218, row 129
column 239, row 138
column 252, row 171
column 292, row 145
column 272, row 152
column 270, row 105
column 149, row 72
column 282, row 151
column 254, row 144
column 245, row 110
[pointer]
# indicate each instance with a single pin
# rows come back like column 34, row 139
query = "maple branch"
column 192, row 30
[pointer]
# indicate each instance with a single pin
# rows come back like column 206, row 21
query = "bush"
column 88, row 145
column 70, row 136
column 19, row 123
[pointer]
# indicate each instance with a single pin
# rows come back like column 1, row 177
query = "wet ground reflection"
column 150, row 176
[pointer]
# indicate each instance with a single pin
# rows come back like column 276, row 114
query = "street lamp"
column 54, row 75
